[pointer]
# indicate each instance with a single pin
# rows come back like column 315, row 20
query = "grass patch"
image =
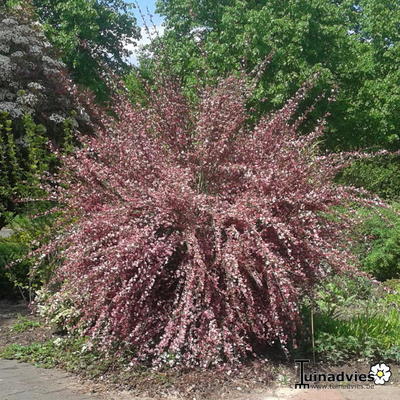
column 24, row 324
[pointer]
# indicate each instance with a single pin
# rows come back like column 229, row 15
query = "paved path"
column 20, row 381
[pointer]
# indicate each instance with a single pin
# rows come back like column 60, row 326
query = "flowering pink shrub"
column 196, row 234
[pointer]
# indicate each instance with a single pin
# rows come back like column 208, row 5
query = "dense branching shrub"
column 195, row 235
column 38, row 103
column 378, row 247
column 10, row 250
column 380, row 175
column 379, row 244
column 18, row 275
column 32, row 80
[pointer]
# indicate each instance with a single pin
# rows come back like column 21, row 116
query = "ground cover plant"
column 23, row 324
column 195, row 233
column 357, row 319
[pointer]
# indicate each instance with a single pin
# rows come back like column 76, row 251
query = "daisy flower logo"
column 381, row 373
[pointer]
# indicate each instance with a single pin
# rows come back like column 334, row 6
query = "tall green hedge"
column 23, row 162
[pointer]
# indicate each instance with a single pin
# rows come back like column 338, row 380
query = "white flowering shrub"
column 32, row 80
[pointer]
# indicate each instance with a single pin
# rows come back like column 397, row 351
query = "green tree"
column 352, row 45
column 92, row 36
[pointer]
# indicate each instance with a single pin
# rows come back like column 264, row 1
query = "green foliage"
column 46, row 355
column 12, row 3
column 11, row 250
column 9, row 166
column 338, row 295
column 134, row 83
column 71, row 353
column 340, row 40
column 21, row 165
column 393, row 284
column 379, row 175
column 379, row 246
column 24, row 324
column 18, row 270
column 365, row 336
column 92, row 36
column 356, row 319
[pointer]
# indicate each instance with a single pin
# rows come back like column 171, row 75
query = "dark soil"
column 9, row 312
